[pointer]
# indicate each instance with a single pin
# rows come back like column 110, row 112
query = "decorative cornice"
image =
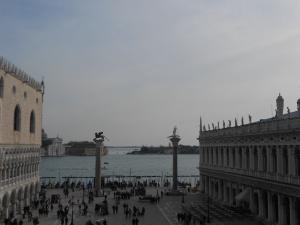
column 19, row 74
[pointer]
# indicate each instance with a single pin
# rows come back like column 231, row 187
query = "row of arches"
column 14, row 200
column 276, row 208
column 257, row 158
column 18, row 120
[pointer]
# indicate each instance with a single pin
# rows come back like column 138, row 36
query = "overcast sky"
column 137, row 68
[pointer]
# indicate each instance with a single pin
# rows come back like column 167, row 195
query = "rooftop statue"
column 250, row 118
column 224, row 124
column 242, row 121
column 174, row 131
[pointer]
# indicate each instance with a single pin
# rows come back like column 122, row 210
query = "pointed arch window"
column 32, row 122
column 17, row 118
column 1, row 87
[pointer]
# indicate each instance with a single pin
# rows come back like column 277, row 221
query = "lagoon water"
column 117, row 162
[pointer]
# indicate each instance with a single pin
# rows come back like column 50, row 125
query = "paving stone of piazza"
column 163, row 213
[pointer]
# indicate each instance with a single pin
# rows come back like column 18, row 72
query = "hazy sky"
column 137, row 68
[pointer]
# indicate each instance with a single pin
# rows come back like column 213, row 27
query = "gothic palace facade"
column 21, row 100
column 255, row 165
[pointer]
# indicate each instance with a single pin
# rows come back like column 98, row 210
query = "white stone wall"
column 19, row 150
column 9, row 101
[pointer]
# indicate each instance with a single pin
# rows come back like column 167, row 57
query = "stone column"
column 260, row 159
column 269, row 159
column 251, row 150
column 292, row 211
column 230, row 195
column 243, row 166
column 270, row 207
column 175, row 140
column 220, row 191
column 260, row 204
column 292, row 158
column 224, row 192
column 99, row 148
column 280, row 210
column 279, row 160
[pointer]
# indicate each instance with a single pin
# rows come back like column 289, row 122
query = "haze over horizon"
column 135, row 69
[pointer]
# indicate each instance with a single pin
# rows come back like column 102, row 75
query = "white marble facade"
column 255, row 166
column 21, row 100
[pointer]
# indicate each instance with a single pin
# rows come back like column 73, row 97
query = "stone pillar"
column 292, row 211
column 243, row 166
column 269, row 159
column 223, row 190
column 280, row 210
column 252, row 205
column 99, row 148
column 231, row 195
column 270, row 207
column 292, row 159
column 201, row 183
column 175, row 140
column 260, row 204
column 220, row 191
column 279, row 160
column 251, row 150
column 260, row 158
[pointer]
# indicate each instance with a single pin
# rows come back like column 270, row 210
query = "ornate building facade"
column 255, row 166
column 21, row 100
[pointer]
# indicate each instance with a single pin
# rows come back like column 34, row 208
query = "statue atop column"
column 175, row 138
column 99, row 139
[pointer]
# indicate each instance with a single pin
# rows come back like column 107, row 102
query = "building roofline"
column 19, row 74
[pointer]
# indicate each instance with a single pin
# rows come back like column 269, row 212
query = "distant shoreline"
column 163, row 150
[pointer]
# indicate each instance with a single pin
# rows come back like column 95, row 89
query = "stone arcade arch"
column 20, row 198
column 5, row 204
column 13, row 201
column 26, row 195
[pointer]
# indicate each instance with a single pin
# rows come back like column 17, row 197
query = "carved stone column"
column 270, row 208
column 292, row 211
column 292, row 159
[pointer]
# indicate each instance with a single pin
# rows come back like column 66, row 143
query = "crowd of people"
column 65, row 205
